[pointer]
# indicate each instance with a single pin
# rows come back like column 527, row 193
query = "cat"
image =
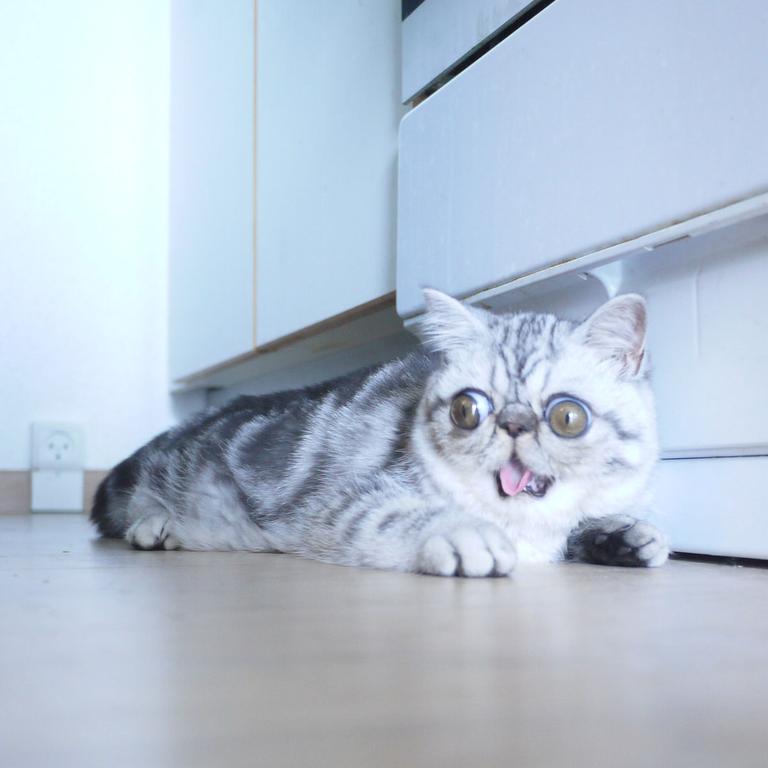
column 506, row 437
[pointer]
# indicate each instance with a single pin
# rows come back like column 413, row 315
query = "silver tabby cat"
column 510, row 436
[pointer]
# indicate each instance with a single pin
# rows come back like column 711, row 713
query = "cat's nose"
column 516, row 428
column 517, row 419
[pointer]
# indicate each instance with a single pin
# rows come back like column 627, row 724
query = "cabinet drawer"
column 593, row 123
column 714, row 506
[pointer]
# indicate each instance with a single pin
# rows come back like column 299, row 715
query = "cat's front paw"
column 619, row 540
column 468, row 549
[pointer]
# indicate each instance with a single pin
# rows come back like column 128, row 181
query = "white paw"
column 468, row 549
column 152, row 532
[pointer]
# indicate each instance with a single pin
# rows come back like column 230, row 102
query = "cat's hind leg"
column 152, row 531
column 150, row 524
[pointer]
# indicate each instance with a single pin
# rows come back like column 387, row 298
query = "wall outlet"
column 57, row 446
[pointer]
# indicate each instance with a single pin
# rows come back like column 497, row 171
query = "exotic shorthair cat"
column 511, row 436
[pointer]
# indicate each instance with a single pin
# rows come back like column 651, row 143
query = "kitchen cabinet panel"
column 593, row 123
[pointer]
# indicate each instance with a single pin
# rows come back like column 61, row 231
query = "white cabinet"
column 327, row 118
column 593, row 123
column 284, row 142
column 608, row 147
column 707, row 334
column 714, row 506
column 211, row 184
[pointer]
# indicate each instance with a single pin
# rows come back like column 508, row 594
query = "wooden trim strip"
column 15, row 490
column 255, row 165
column 382, row 302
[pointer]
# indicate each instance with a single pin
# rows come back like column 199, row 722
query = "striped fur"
column 369, row 470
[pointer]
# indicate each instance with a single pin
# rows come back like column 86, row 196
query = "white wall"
column 84, row 100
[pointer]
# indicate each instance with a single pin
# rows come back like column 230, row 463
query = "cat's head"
column 531, row 406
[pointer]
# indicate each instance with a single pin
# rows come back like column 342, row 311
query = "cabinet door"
column 283, row 178
column 593, row 123
column 327, row 119
column 211, row 184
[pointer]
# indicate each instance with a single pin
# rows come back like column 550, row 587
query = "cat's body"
column 387, row 468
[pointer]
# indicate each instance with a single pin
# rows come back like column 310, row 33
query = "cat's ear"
column 448, row 326
column 617, row 331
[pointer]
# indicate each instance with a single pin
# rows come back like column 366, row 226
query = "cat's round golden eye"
column 469, row 409
column 568, row 417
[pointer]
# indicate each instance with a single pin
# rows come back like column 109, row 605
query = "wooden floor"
column 118, row 658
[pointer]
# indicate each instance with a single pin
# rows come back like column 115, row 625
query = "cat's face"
column 530, row 406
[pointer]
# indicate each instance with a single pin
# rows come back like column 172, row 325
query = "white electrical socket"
column 57, row 446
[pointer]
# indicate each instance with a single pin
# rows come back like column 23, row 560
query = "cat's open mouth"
column 514, row 477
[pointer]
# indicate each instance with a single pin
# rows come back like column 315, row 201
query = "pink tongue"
column 514, row 477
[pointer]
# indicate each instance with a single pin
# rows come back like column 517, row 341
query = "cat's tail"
column 110, row 505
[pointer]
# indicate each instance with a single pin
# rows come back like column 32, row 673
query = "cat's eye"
column 470, row 408
column 567, row 416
